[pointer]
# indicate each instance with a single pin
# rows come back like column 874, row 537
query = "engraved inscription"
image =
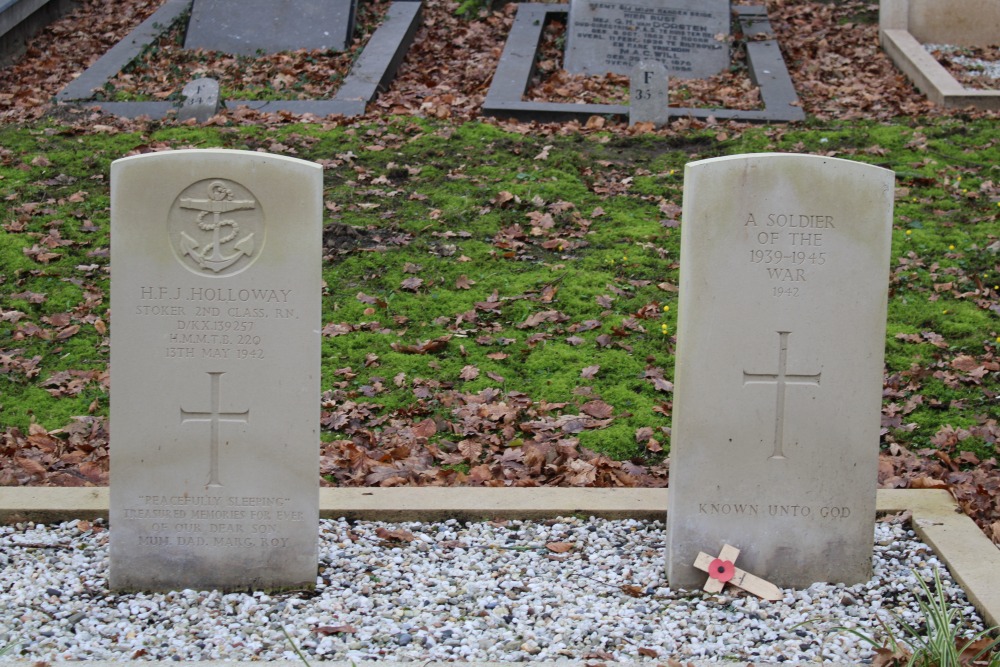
column 215, row 417
column 214, row 328
column 788, row 248
column 214, row 521
column 216, row 227
column 625, row 33
column 781, row 379
column 776, row 511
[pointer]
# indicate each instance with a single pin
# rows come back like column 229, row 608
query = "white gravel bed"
column 455, row 592
column 989, row 69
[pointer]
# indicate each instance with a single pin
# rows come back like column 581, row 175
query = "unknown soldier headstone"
column 778, row 384
column 215, row 296
column 648, row 94
column 246, row 27
column 690, row 38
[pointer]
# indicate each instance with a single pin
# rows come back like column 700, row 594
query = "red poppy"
column 723, row 570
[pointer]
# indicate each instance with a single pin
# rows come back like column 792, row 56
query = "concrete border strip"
column 121, row 54
column 969, row 554
column 21, row 20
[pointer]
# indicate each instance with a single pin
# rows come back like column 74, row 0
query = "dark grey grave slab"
column 246, row 27
column 648, row 100
column 517, row 65
column 21, row 19
column 688, row 36
column 371, row 74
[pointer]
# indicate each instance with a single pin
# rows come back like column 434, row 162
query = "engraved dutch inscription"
column 688, row 38
column 215, row 371
column 778, row 381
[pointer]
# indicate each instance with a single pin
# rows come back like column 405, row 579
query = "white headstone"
column 215, row 300
column 688, row 36
column 778, row 384
column 649, row 94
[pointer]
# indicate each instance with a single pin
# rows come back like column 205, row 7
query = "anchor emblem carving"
column 211, row 255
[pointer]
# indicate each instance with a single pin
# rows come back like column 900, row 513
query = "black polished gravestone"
column 248, row 27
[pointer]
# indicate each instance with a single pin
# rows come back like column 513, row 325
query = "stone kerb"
column 371, row 74
column 21, row 19
column 905, row 25
column 505, row 98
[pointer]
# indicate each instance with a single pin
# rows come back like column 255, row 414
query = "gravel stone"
column 987, row 68
column 459, row 592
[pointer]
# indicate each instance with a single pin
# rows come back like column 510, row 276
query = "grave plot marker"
column 201, row 100
column 215, row 299
column 648, row 94
column 778, row 383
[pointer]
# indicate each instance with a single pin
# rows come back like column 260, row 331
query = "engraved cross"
column 215, row 417
column 781, row 379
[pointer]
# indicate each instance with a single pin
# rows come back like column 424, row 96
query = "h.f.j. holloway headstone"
column 215, row 300
column 689, row 38
column 781, row 334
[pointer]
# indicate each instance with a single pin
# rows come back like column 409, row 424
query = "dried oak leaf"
column 425, row 347
column 398, row 535
column 597, row 409
column 412, row 284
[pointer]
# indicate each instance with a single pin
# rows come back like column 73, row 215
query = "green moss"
column 438, row 187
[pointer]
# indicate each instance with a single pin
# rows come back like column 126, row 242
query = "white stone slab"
column 778, row 383
column 689, row 37
column 961, row 22
column 215, row 338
